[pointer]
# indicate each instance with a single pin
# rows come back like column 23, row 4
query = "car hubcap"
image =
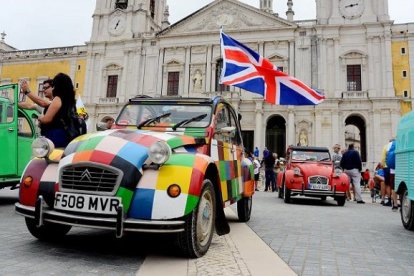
column 204, row 218
column 406, row 207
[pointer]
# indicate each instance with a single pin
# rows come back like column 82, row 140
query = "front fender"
column 292, row 181
column 44, row 175
column 247, row 177
column 341, row 182
column 151, row 201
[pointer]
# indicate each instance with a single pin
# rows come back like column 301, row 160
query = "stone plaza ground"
column 307, row 237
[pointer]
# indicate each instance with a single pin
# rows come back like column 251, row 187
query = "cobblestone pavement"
column 319, row 238
column 223, row 258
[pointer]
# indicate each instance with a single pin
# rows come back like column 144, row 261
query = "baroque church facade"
column 352, row 52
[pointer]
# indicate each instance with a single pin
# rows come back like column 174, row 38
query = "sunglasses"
column 46, row 87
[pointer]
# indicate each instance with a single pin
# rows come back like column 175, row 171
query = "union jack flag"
column 244, row 68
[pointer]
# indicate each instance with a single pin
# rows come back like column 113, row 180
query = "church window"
column 354, row 78
column 121, row 4
column 404, row 73
column 173, row 82
column 152, row 8
column 219, row 86
column 403, row 51
column 112, row 86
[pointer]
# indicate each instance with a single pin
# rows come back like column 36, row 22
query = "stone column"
column 186, row 90
column 318, row 128
column 290, row 133
column 335, row 128
column 376, row 138
column 388, row 84
column 208, row 70
column 291, row 58
column 259, row 130
column 123, row 92
column 160, row 71
column 338, row 87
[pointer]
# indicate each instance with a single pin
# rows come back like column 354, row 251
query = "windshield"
column 298, row 155
column 169, row 114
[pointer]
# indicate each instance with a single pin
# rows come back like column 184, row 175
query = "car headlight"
column 337, row 172
column 42, row 147
column 296, row 171
column 159, row 152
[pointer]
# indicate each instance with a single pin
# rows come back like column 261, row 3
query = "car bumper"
column 41, row 213
column 318, row 193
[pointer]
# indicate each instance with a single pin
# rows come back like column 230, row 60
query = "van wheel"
column 244, row 208
column 407, row 211
column 199, row 224
column 48, row 231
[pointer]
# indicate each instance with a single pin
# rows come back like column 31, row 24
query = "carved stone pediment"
column 231, row 14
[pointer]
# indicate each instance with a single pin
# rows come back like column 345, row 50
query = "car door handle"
column 10, row 129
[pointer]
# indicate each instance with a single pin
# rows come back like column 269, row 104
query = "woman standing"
column 63, row 103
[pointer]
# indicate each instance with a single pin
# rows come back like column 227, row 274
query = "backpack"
column 390, row 158
column 74, row 125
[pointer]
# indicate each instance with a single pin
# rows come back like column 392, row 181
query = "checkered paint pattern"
column 235, row 172
column 144, row 193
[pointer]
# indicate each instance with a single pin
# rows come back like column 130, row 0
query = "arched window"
column 220, row 87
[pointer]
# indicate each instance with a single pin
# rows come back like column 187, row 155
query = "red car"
column 311, row 172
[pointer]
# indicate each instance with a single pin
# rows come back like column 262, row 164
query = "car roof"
column 309, row 148
column 144, row 98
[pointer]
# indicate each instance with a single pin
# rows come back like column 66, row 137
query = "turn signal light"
column 27, row 181
column 174, row 190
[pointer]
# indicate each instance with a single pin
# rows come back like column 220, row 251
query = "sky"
column 33, row 24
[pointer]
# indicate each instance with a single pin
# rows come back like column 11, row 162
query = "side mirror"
column 228, row 131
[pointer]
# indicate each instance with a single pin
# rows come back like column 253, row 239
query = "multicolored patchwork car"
column 169, row 165
column 311, row 172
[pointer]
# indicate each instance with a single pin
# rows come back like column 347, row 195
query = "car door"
column 226, row 153
column 27, row 132
column 8, row 132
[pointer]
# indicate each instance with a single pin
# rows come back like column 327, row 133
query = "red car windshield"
column 297, row 155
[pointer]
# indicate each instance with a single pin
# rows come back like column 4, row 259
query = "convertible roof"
column 309, row 148
column 170, row 99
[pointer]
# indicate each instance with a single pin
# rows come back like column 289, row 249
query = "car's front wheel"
column 341, row 200
column 199, row 224
column 244, row 208
column 286, row 193
column 281, row 189
column 407, row 211
column 48, row 231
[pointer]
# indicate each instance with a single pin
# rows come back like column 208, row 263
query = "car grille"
column 88, row 178
column 317, row 179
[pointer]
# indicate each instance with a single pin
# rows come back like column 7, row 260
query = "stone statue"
column 303, row 138
column 198, row 80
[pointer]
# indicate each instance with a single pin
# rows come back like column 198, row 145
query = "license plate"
column 87, row 203
column 319, row 187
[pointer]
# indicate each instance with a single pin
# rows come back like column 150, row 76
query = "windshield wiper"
column 151, row 120
column 194, row 119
